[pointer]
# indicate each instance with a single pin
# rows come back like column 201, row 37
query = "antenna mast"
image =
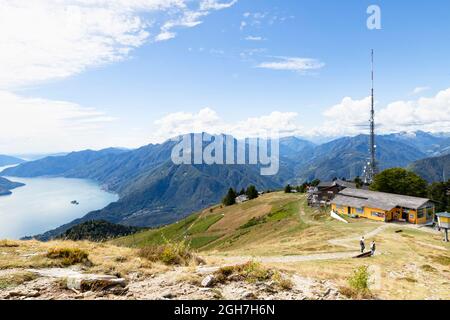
column 371, row 169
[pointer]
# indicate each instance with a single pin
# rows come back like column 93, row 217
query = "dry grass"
column 252, row 272
column 171, row 254
column 105, row 258
column 8, row 244
column 69, row 256
column 15, row 278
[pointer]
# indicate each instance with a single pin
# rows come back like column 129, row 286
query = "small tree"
column 400, row 181
column 315, row 182
column 252, row 193
column 359, row 182
column 303, row 188
column 440, row 192
column 242, row 192
column 288, row 189
column 230, row 198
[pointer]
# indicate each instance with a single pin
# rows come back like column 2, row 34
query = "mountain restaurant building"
column 386, row 207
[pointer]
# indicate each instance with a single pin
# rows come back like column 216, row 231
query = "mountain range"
column 154, row 191
column 9, row 160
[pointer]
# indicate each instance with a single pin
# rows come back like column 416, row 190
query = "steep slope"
column 433, row 169
column 8, row 160
column 346, row 157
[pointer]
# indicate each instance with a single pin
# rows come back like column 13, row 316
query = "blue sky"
column 228, row 66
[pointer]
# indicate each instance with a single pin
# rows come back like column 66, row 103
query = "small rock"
column 248, row 295
column 26, row 294
column 208, row 281
column 168, row 295
column 327, row 292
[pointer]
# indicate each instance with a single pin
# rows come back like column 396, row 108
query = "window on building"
column 421, row 213
column 359, row 210
column 378, row 214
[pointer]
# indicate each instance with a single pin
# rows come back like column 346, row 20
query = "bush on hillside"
column 358, row 284
column 170, row 254
column 69, row 256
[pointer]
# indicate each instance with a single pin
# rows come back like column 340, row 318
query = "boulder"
column 24, row 293
column 89, row 282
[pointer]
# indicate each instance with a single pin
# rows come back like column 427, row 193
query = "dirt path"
column 352, row 242
column 349, row 243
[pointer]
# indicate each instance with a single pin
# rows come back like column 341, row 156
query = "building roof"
column 443, row 214
column 338, row 182
column 358, row 198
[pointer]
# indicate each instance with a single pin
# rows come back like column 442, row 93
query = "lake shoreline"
column 45, row 203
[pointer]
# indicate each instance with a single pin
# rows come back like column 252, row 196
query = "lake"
column 45, row 203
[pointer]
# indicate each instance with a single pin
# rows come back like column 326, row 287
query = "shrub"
column 8, row 244
column 253, row 222
column 358, row 284
column 69, row 256
column 251, row 272
column 360, row 279
column 170, row 254
column 428, row 268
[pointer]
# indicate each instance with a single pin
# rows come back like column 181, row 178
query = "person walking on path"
column 372, row 248
column 362, row 244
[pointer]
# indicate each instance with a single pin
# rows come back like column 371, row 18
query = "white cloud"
column 254, row 38
column 207, row 120
column 216, row 5
column 420, row 90
column 428, row 114
column 351, row 117
column 191, row 18
column 344, row 118
column 43, row 40
column 293, row 64
column 40, row 125
column 47, row 40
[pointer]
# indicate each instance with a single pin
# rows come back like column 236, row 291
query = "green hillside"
column 273, row 223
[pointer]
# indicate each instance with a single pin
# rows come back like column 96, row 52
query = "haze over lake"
column 45, row 203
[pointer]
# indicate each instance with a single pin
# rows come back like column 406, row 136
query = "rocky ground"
column 178, row 283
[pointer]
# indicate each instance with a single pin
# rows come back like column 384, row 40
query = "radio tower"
column 371, row 169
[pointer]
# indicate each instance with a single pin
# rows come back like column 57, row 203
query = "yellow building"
column 382, row 206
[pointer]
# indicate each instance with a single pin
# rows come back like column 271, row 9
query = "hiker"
column 362, row 245
column 372, row 248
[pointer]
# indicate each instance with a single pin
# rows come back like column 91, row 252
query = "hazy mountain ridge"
column 346, row 157
column 433, row 169
column 9, row 160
